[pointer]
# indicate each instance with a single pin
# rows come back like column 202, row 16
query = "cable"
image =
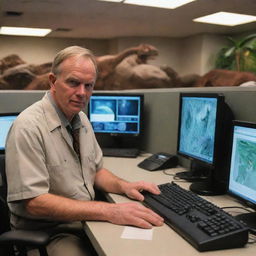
column 166, row 173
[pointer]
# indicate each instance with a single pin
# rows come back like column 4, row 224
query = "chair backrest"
column 4, row 211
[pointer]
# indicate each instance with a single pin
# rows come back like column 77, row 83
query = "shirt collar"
column 75, row 122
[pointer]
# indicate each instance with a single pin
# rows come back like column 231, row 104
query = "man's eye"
column 73, row 83
column 88, row 86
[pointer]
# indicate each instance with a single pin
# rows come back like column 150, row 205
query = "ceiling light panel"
column 226, row 19
column 21, row 31
column 115, row 1
column 169, row 4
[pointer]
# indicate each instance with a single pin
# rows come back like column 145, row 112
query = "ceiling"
column 105, row 20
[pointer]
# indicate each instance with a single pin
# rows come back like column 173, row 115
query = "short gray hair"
column 72, row 51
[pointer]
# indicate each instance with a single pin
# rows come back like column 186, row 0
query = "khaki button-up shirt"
column 40, row 159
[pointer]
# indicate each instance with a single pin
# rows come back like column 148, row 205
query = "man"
column 49, row 183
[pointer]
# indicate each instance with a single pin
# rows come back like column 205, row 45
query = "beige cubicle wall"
column 160, row 110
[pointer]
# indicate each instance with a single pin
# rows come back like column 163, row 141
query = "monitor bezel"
column 122, row 95
column 2, row 151
column 220, row 105
column 230, row 192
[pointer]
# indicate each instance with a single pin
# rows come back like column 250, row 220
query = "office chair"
column 16, row 240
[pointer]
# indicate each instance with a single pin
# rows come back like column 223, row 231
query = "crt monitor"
column 242, row 175
column 205, row 123
column 6, row 120
column 116, row 115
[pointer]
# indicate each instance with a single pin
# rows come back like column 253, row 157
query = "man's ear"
column 52, row 79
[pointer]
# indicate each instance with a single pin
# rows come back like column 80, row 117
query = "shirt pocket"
column 62, row 181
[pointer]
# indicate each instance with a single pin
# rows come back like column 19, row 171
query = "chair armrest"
column 24, row 237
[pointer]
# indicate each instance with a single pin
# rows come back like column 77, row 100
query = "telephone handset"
column 159, row 161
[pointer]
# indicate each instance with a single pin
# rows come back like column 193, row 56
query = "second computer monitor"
column 204, row 128
column 198, row 123
column 117, row 116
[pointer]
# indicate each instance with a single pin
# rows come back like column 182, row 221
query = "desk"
column 106, row 237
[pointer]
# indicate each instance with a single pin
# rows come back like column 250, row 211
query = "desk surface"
column 106, row 237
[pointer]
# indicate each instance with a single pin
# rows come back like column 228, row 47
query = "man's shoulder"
column 31, row 115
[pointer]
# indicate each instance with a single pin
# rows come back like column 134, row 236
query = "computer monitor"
column 242, row 175
column 6, row 120
column 118, row 116
column 205, row 123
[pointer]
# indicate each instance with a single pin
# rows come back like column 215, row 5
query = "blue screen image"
column 5, row 125
column 243, row 163
column 115, row 114
column 197, row 127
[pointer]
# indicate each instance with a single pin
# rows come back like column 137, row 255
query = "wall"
column 198, row 53
column 211, row 46
column 34, row 50
column 161, row 111
column 168, row 49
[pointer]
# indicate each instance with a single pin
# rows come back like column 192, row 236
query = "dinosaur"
column 128, row 69
column 223, row 77
column 108, row 63
column 133, row 71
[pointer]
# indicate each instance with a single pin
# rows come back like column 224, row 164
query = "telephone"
column 159, row 161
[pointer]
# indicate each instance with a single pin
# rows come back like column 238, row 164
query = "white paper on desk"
column 137, row 233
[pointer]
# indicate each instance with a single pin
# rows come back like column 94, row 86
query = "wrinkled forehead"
column 78, row 63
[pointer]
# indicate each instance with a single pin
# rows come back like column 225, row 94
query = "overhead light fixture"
column 169, row 4
column 21, row 31
column 115, row 1
column 226, row 19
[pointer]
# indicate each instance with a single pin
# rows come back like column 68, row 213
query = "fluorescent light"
column 20, row 31
column 226, row 19
column 115, row 1
column 169, row 4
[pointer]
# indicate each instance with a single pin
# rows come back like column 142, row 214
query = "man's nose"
column 81, row 90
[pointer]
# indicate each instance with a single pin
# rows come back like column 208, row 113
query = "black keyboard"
column 204, row 225
column 120, row 152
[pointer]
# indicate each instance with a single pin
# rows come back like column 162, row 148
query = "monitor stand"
column 207, row 188
column 196, row 173
column 249, row 219
column 212, row 186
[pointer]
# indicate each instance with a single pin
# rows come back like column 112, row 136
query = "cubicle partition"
column 160, row 110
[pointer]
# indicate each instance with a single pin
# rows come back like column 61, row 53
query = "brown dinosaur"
column 223, row 77
column 134, row 72
column 128, row 69
column 108, row 63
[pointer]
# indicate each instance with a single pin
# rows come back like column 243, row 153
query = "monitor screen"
column 243, row 162
column 242, row 174
column 205, row 123
column 118, row 114
column 6, row 121
column 197, row 126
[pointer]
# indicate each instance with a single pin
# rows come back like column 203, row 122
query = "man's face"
column 73, row 86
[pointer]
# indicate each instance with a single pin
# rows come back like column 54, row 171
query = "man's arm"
column 65, row 209
column 108, row 182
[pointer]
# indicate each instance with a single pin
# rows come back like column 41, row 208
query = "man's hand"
column 133, row 189
column 134, row 214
